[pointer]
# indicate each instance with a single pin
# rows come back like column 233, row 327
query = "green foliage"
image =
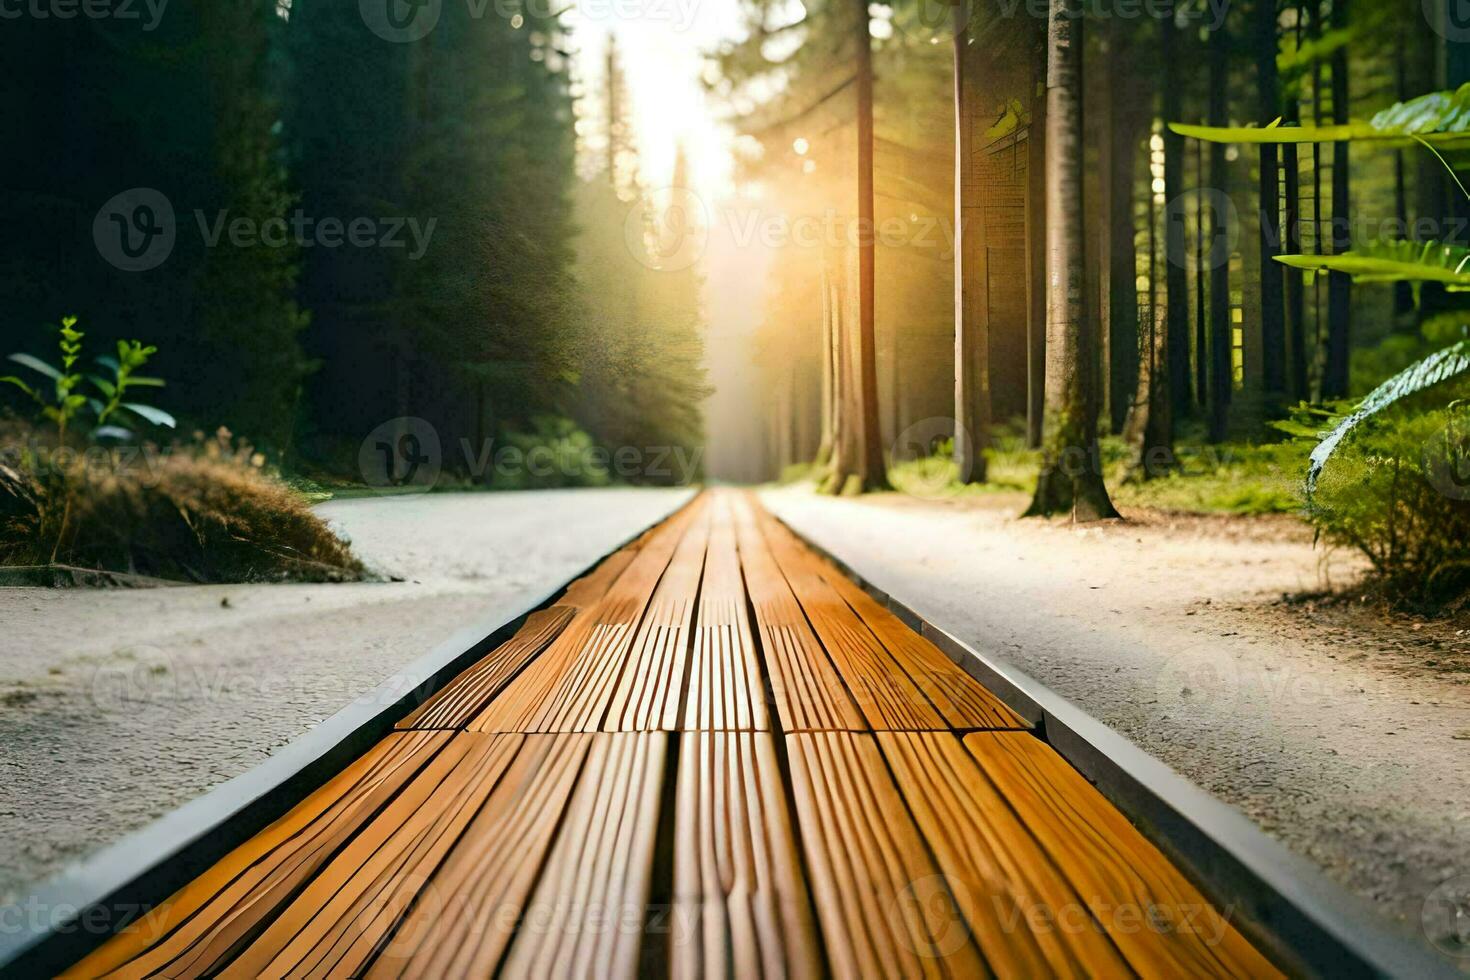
column 189, row 108
column 204, row 513
column 1439, row 119
column 67, row 402
column 1398, row 490
column 555, row 453
column 1436, row 369
column 1394, row 261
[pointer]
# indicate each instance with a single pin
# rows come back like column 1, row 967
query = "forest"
column 1189, row 239
column 349, row 231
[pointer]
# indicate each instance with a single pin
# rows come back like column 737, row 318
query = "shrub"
column 1397, row 488
column 554, row 454
column 202, row 512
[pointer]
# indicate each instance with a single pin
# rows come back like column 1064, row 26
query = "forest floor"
column 1227, row 646
column 118, row 705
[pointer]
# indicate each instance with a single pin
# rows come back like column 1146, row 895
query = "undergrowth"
column 202, row 511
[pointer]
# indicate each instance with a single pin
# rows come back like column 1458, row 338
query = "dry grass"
column 204, row 512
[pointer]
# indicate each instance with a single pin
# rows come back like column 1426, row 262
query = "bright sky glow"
column 662, row 45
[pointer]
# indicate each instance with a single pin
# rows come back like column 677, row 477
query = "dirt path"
column 1341, row 731
column 117, row 706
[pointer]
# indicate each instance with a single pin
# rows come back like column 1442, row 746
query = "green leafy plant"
column 1439, row 367
column 66, row 402
column 1395, row 261
column 1439, row 119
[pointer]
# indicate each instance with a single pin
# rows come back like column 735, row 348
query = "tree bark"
column 1176, row 274
column 1036, row 256
column 972, row 408
column 1222, row 329
column 1273, row 327
column 1122, row 261
column 861, row 468
column 1339, row 285
column 1071, row 475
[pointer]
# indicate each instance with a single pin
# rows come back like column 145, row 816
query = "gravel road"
column 117, row 706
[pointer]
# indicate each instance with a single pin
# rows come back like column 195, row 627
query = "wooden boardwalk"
column 714, row 756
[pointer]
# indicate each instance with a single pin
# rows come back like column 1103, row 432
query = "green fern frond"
column 1435, row 369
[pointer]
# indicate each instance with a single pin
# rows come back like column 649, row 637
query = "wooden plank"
column 740, row 903
column 588, row 589
column 964, row 701
column 336, row 925
column 459, row 701
column 201, row 926
column 885, row 908
column 652, row 682
column 726, row 692
column 461, row 925
column 587, row 915
column 1160, row 922
column 888, row 698
column 569, row 686
column 808, row 692
column 1026, row 918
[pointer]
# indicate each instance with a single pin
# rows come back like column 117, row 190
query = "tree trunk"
column 1339, row 285
column 971, row 316
column 858, row 465
column 1222, row 329
column 829, row 371
column 1122, row 260
column 1296, row 311
column 1176, row 274
column 1273, row 327
column 1071, row 475
column 1036, row 257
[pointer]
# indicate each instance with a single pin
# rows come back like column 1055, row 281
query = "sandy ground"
column 1339, row 729
column 117, row 706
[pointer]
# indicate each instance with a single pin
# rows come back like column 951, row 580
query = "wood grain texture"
column 726, row 692
column 459, row 701
column 199, row 928
column 963, row 701
column 1161, row 923
column 336, row 925
column 461, row 925
column 900, row 680
column 740, row 904
column 652, row 682
column 586, row 918
column 887, row 697
column 808, row 692
column 1025, row 917
column 884, row 906
column 569, row 687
